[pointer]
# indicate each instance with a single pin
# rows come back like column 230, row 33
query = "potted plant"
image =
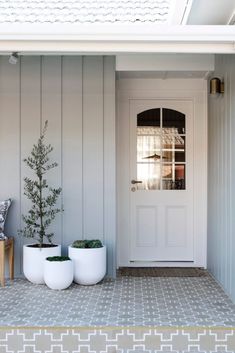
column 58, row 272
column 89, row 257
column 42, row 212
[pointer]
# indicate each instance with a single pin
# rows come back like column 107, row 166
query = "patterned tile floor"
column 127, row 301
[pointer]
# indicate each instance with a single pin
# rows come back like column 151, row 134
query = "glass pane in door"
column 180, row 148
column 149, row 149
column 173, row 121
column 149, row 175
column 179, row 180
column 161, row 158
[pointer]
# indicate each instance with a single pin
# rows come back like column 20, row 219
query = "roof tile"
column 84, row 11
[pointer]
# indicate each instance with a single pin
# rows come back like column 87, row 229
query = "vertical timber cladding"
column 77, row 96
column 221, row 169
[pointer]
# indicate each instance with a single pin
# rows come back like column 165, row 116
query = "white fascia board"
column 140, row 31
column 110, row 48
column 165, row 62
column 116, row 38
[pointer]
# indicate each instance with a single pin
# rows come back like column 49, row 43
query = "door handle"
column 136, row 181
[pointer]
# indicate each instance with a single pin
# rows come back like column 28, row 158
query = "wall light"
column 216, row 86
column 13, row 59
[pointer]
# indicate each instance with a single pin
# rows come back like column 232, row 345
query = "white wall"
column 221, row 185
column 77, row 96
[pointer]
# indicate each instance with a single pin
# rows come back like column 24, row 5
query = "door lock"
column 136, row 181
column 133, row 189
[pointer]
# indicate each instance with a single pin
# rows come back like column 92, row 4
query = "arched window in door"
column 161, row 137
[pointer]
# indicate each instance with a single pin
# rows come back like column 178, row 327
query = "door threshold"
column 162, row 272
column 157, row 261
column 161, row 264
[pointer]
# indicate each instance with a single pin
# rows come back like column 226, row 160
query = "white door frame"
column 194, row 90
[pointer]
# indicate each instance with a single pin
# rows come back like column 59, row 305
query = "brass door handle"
column 136, row 181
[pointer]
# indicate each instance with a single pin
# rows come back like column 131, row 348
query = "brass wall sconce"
column 216, row 86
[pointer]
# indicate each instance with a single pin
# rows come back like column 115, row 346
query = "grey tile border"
column 117, row 339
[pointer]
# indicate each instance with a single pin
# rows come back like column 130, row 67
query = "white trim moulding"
column 110, row 48
column 114, row 39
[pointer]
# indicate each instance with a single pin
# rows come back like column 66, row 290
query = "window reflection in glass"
column 161, row 150
column 149, row 174
column 148, row 144
column 173, row 121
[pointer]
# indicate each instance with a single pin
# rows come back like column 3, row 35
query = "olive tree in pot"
column 58, row 272
column 89, row 258
column 42, row 212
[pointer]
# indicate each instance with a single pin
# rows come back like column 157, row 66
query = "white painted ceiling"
column 164, row 66
column 211, row 12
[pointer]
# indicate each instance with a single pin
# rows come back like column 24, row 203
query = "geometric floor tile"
column 136, row 302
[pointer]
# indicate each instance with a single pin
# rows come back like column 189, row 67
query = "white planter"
column 89, row 264
column 33, row 261
column 58, row 274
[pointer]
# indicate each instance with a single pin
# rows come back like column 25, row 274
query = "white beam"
column 177, row 12
column 211, row 12
column 165, row 62
column 180, row 11
column 187, row 12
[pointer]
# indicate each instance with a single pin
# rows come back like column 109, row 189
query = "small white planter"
column 89, row 264
column 33, row 261
column 58, row 274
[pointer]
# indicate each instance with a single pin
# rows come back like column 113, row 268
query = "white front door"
column 161, row 180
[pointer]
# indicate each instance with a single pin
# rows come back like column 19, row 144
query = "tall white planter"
column 33, row 261
column 89, row 264
column 58, row 274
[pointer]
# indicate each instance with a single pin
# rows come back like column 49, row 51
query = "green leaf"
column 43, row 197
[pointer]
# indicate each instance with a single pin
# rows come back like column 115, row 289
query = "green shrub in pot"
column 87, row 244
column 58, row 272
column 43, row 210
column 89, row 258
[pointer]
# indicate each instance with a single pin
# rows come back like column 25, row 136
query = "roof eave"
column 116, row 38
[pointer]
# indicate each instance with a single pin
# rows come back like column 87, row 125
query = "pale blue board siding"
column 109, row 161
column 72, row 141
column 51, row 111
column 93, row 144
column 76, row 94
column 10, row 183
column 30, row 124
column 221, row 181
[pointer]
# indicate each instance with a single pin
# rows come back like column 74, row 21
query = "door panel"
column 146, row 228
column 161, row 185
column 176, row 226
